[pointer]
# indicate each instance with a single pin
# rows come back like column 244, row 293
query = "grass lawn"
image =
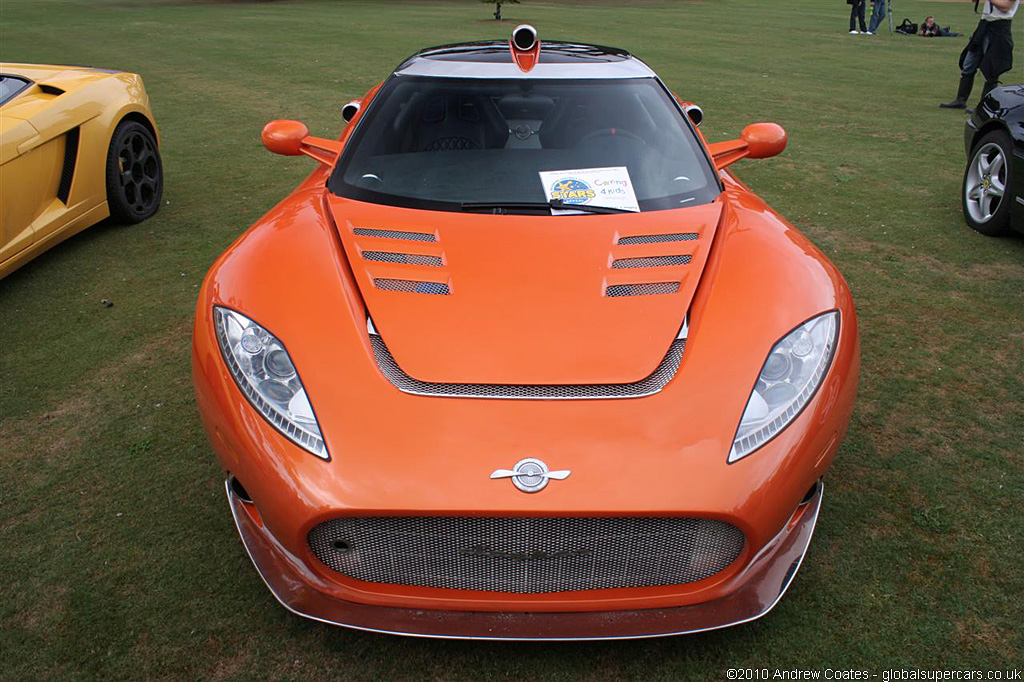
column 118, row 555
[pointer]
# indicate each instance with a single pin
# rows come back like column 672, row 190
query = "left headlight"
column 789, row 379
column 266, row 376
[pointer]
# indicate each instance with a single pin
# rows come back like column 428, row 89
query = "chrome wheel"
column 985, row 184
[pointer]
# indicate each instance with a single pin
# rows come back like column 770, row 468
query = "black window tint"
column 435, row 143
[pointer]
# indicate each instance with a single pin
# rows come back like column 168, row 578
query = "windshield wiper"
column 501, row 207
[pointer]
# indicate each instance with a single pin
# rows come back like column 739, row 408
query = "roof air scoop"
column 525, row 47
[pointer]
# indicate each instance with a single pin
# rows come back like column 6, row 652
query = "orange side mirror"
column 285, row 137
column 764, row 140
column 757, row 141
column 292, row 138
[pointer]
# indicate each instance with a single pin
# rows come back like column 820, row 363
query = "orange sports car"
column 522, row 359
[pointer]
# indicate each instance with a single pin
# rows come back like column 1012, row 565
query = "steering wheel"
column 610, row 132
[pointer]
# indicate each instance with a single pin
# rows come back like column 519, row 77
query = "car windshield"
column 445, row 143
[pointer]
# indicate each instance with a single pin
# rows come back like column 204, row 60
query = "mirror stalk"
column 324, row 151
column 729, row 152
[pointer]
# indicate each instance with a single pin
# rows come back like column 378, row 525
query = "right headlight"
column 266, row 376
column 789, row 379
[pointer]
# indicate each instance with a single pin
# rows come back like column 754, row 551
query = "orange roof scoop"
column 525, row 47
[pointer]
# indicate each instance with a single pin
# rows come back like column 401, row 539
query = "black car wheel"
column 987, row 182
column 135, row 174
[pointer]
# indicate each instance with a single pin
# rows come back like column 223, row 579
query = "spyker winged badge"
column 531, row 475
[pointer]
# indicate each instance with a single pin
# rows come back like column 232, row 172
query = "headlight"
column 265, row 374
column 790, row 377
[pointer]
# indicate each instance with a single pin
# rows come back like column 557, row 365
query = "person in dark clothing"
column 857, row 12
column 990, row 50
column 929, row 29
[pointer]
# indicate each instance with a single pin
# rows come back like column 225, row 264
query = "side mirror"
column 285, row 137
column 291, row 138
column 757, row 141
column 764, row 140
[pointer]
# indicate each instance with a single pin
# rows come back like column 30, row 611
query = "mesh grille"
column 649, row 262
column 526, row 555
column 652, row 384
column 395, row 234
column 410, row 258
column 412, row 286
column 657, row 238
column 642, row 289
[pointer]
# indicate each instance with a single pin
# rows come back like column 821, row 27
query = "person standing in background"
column 877, row 16
column 990, row 49
column 857, row 12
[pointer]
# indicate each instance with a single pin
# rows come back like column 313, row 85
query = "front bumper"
column 768, row 575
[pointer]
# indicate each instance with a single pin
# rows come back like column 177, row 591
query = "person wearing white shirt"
column 990, row 50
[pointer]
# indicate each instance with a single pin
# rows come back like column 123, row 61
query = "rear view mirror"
column 757, row 141
column 285, row 137
column 764, row 140
column 292, row 138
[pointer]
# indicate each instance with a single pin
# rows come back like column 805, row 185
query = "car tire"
column 988, row 179
column 135, row 173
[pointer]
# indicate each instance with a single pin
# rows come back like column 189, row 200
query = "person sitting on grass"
column 929, row 29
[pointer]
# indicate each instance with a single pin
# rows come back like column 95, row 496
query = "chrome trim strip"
column 1020, row 199
column 626, row 68
column 654, row 382
column 782, row 592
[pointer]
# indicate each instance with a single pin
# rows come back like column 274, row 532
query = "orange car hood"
column 527, row 299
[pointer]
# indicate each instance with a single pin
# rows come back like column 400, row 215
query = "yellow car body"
column 56, row 130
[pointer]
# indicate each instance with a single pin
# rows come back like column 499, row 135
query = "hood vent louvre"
column 408, row 258
column 650, row 289
column 395, row 234
column 658, row 238
column 650, row 262
column 412, row 286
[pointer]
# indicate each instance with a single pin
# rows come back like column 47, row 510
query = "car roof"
column 493, row 59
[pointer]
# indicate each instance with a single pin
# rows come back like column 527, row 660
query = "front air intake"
column 526, row 555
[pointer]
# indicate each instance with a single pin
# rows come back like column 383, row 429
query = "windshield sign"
column 447, row 143
column 600, row 186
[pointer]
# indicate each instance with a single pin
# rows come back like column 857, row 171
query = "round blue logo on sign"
column 572, row 191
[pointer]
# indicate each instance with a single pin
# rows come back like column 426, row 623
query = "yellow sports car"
column 77, row 144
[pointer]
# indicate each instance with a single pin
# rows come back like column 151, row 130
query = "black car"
column 993, row 189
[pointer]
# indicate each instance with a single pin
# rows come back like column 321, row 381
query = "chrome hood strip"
column 654, row 382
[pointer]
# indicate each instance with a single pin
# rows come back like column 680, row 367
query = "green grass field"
column 118, row 556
